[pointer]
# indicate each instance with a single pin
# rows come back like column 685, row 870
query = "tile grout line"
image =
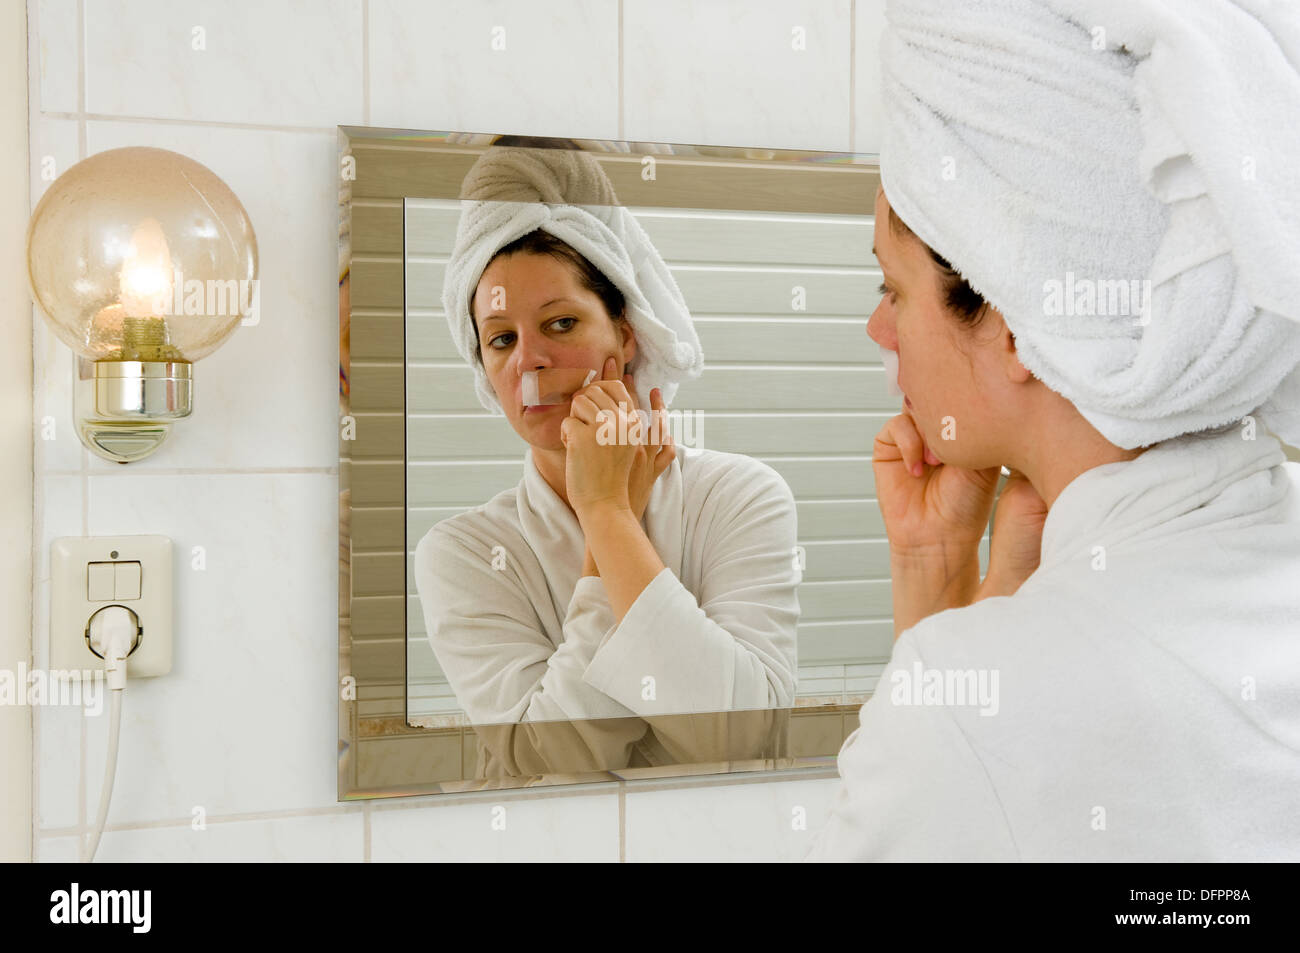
column 84, row 455
column 38, row 486
column 365, row 62
column 194, row 123
column 620, row 70
column 622, row 822
column 853, row 14
column 342, row 809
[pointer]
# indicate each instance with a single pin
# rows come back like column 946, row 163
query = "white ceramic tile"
column 58, row 728
column 729, row 822
column 869, row 22
column 53, row 70
column 318, row 838
column 433, row 65
column 581, row 828
column 268, row 397
column 728, row 73
column 58, row 763
column 247, row 720
column 53, row 151
column 57, row 850
column 56, row 446
column 277, row 62
column 59, row 513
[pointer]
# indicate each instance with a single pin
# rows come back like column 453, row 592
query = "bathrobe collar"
column 1176, row 485
column 555, row 535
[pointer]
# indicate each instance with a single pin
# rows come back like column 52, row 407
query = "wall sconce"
column 143, row 261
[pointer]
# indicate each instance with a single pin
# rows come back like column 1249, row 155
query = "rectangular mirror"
column 770, row 253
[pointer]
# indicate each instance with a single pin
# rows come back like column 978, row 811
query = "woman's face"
column 533, row 313
column 952, row 377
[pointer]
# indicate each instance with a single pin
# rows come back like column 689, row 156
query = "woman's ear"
column 1017, row 373
column 629, row 341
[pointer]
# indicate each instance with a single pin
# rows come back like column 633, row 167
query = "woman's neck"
column 550, row 464
column 1063, row 449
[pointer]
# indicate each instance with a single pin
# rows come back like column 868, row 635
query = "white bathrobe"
column 523, row 637
column 1148, row 676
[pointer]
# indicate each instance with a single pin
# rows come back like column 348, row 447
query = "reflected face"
column 533, row 313
column 940, row 364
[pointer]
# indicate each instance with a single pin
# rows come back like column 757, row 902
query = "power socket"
column 89, row 573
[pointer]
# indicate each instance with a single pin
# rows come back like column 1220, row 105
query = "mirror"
column 476, row 650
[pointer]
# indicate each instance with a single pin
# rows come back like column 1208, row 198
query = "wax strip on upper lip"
column 554, row 385
column 890, row 360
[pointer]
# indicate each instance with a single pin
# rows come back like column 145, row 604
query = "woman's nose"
column 532, row 352
column 880, row 327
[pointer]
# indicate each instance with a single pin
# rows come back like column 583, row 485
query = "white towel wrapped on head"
column 509, row 186
column 1065, row 156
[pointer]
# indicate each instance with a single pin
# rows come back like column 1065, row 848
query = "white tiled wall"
column 242, row 734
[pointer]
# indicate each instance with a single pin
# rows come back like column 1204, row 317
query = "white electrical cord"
column 114, row 639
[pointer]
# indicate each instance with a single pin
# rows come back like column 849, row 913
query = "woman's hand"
column 1017, row 540
column 928, row 506
column 658, row 453
column 613, row 473
column 935, row 515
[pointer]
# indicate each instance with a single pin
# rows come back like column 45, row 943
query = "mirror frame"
column 379, row 169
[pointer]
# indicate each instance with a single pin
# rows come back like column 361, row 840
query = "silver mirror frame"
column 379, row 169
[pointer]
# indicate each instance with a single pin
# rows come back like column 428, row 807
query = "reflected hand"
column 598, row 469
column 655, row 456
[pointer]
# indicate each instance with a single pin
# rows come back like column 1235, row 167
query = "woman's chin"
column 541, row 429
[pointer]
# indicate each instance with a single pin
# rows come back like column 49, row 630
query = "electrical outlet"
column 89, row 573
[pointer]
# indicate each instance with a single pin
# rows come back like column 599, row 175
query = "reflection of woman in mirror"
column 1099, row 300
column 628, row 582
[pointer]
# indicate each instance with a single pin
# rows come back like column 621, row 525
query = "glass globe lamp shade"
column 143, row 261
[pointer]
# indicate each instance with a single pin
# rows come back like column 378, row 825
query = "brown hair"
column 538, row 242
column 965, row 303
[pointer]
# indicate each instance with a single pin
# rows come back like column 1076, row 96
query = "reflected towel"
column 509, row 186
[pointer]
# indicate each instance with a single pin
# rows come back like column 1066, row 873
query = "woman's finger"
column 584, row 408
column 665, row 459
column 899, row 440
column 656, row 420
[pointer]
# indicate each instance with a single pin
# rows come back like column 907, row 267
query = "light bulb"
column 143, row 261
column 146, row 282
column 114, row 236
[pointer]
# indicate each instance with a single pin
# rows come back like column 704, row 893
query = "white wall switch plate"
column 89, row 573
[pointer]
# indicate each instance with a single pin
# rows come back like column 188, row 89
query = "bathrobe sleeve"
column 913, row 788
column 507, row 673
column 733, row 647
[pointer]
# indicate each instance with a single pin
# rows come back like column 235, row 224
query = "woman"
column 1123, row 684
column 629, row 583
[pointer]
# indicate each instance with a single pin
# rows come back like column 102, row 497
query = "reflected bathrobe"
column 1148, row 689
column 524, row 638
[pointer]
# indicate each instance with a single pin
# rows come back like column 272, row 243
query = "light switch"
column 127, row 580
column 100, row 583
column 88, row 573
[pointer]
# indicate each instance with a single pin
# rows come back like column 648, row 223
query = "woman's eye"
column 567, row 327
column 496, row 341
column 885, row 291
